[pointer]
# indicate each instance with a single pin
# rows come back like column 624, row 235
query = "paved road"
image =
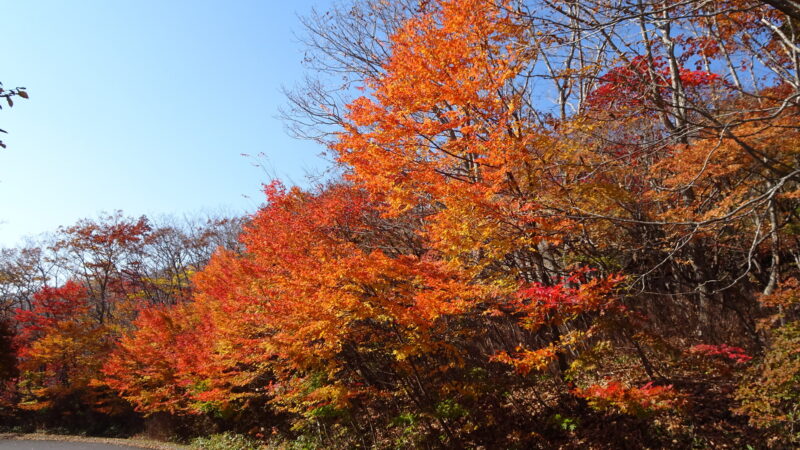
column 7, row 444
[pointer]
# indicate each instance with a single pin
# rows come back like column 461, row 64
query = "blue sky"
column 145, row 106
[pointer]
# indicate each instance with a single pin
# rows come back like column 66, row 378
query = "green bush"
column 226, row 441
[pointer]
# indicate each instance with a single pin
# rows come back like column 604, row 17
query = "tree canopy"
column 558, row 222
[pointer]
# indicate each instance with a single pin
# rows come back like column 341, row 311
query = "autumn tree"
column 8, row 365
column 71, row 295
column 667, row 154
column 60, row 345
column 553, row 216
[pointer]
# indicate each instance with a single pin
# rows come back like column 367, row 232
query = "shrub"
column 226, row 441
column 770, row 392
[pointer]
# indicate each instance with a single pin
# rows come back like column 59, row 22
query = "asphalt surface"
column 10, row 444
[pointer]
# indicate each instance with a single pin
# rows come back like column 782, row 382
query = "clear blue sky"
column 145, row 106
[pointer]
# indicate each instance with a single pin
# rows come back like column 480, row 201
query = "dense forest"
column 554, row 224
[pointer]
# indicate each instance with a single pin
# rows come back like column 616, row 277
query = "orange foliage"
column 479, row 248
column 632, row 400
column 61, row 348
